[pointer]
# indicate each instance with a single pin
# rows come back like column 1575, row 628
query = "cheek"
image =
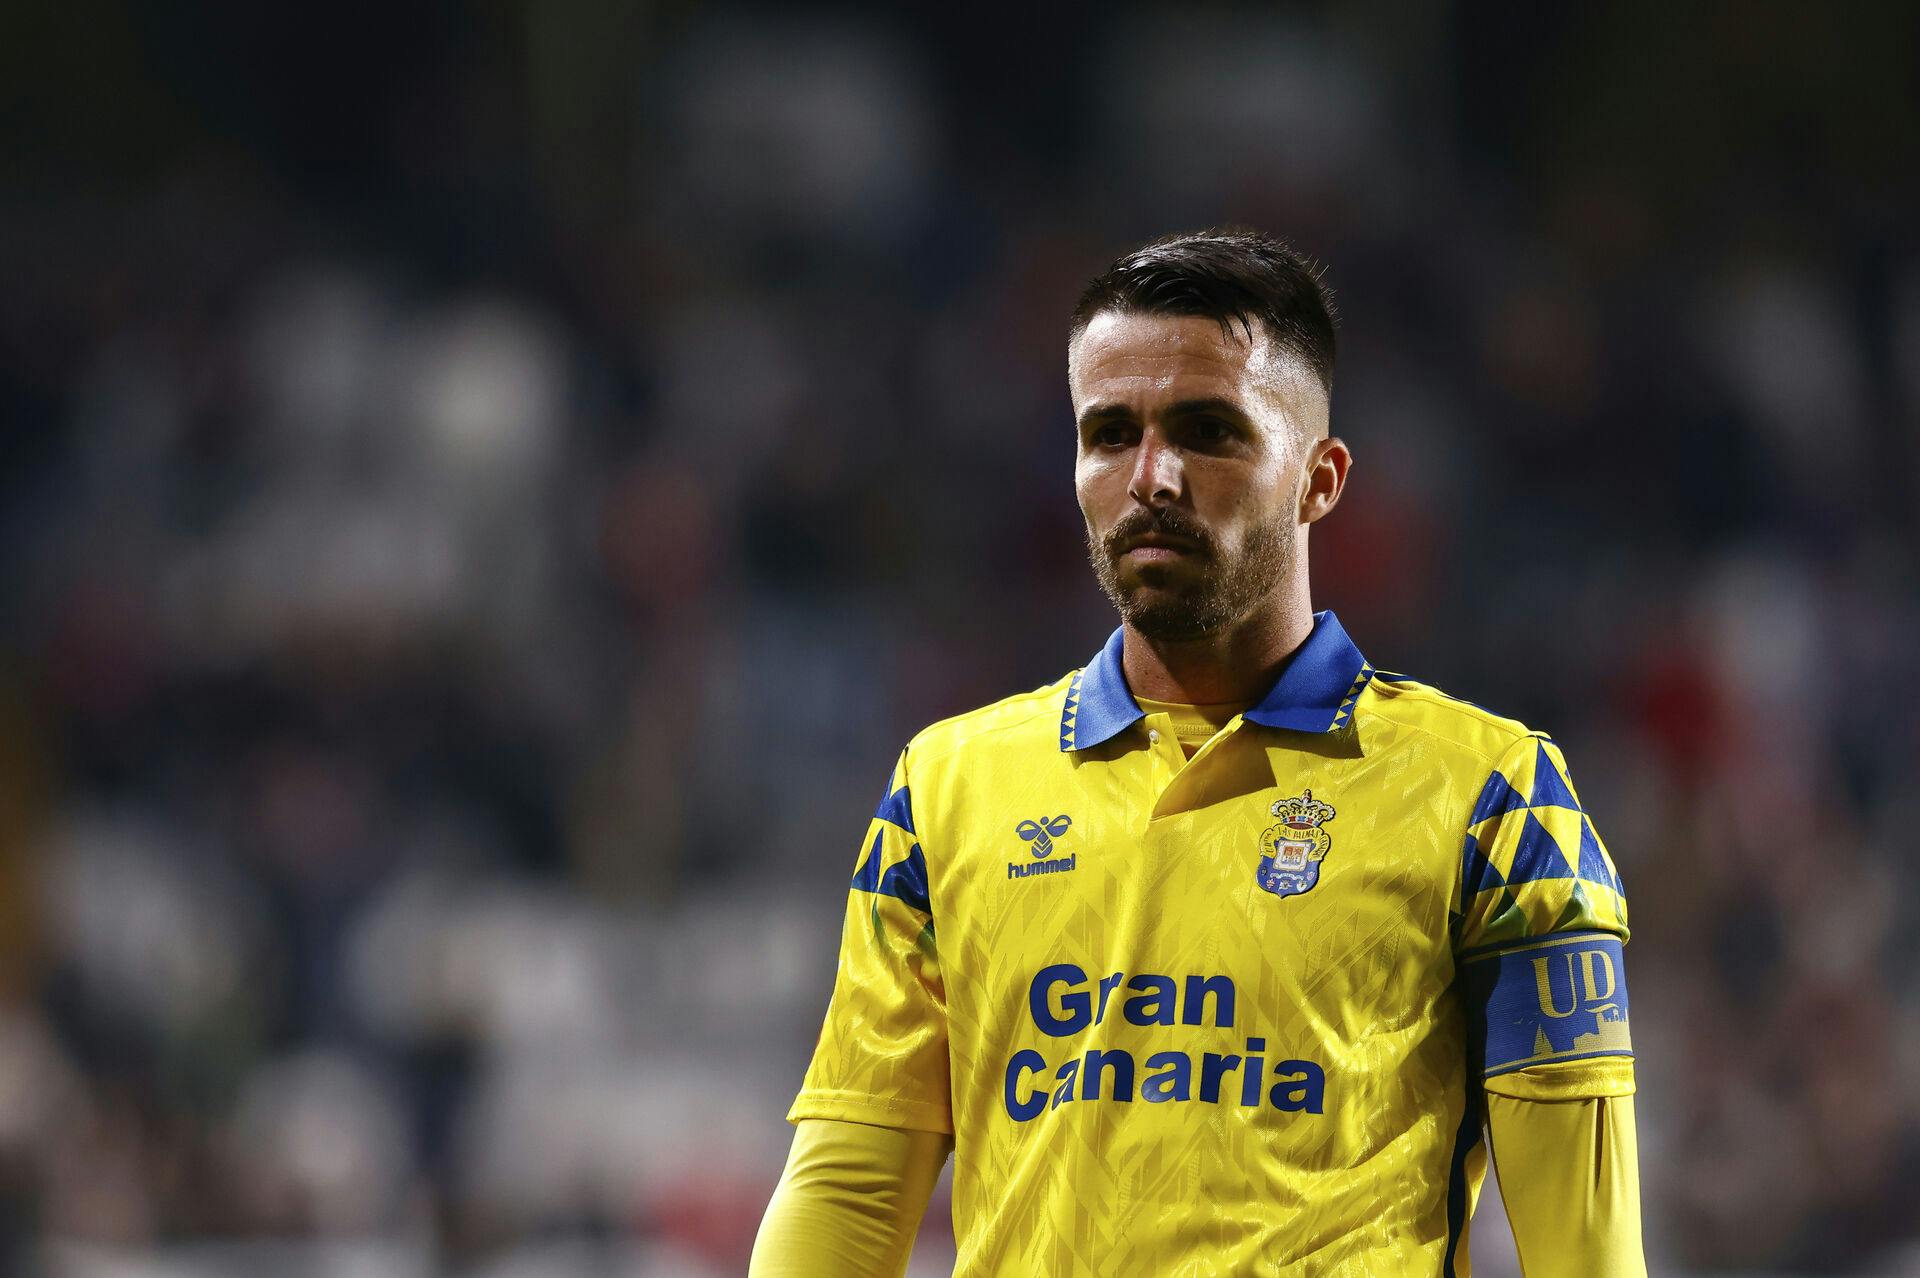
column 1093, row 485
column 1226, row 492
column 1236, row 500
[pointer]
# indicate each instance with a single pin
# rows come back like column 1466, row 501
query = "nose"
column 1158, row 476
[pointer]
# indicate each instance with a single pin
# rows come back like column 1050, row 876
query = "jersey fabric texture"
column 1232, row 1014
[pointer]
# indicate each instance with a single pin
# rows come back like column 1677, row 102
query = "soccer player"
column 1227, row 954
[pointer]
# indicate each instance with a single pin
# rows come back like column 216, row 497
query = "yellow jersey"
column 1229, row 1014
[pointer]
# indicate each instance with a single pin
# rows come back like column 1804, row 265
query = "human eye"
column 1112, row 435
column 1209, row 430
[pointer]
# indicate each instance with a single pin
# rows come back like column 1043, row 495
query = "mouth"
column 1158, row 548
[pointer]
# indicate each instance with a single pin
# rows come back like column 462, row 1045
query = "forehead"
column 1129, row 359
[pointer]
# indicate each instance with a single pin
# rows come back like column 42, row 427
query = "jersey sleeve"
column 849, row 1202
column 1540, row 929
column 882, row 1054
column 1570, row 1178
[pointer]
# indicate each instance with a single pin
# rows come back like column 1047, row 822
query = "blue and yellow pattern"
column 1560, row 999
column 1151, row 1061
column 1528, row 828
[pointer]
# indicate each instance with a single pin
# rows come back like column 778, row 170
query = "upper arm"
column 1542, row 921
column 849, row 1202
column 882, row 1054
column 1570, row 1180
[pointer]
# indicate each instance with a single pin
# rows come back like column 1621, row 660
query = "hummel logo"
column 1043, row 832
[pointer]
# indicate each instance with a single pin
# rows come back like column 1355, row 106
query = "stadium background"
column 488, row 489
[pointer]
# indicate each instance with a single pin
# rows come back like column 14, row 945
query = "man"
column 1221, row 955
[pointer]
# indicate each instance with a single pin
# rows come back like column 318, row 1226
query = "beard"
column 1204, row 594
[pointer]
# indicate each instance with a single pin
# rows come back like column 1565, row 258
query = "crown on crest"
column 1303, row 812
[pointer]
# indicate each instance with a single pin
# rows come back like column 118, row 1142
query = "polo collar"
column 1314, row 693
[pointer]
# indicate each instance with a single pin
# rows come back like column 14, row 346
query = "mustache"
column 1166, row 522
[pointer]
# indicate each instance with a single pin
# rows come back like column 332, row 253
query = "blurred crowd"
column 484, row 504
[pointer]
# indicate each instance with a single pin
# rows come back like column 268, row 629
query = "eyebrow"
column 1184, row 408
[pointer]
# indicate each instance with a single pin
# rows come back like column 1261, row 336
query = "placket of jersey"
column 1181, row 772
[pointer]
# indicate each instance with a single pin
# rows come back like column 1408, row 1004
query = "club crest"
column 1290, row 852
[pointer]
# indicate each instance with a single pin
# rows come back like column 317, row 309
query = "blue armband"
column 1555, row 998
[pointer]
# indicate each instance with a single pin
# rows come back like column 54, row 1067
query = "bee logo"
column 1043, row 832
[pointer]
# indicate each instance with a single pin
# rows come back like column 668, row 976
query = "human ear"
column 1328, row 461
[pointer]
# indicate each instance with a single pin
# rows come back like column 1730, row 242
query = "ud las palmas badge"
column 1290, row 852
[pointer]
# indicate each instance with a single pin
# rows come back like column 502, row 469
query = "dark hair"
column 1232, row 274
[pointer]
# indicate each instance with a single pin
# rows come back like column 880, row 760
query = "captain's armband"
column 1553, row 998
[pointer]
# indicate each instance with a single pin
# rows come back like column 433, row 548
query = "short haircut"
column 1232, row 274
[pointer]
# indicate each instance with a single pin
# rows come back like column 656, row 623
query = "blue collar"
column 1314, row 693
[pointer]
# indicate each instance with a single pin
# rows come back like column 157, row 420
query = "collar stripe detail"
column 1345, row 712
column 1071, row 710
column 1316, row 691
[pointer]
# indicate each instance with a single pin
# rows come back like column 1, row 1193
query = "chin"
column 1168, row 617
column 1152, row 595
column 1171, row 625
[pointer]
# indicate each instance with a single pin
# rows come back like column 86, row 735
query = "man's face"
column 1193, row 444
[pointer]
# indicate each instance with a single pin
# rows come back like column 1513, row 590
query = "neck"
column 1238, row 664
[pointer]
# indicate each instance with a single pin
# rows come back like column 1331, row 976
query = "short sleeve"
column 882, row 1054
column 1541, row 927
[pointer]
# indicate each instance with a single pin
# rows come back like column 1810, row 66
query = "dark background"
column 488, row 488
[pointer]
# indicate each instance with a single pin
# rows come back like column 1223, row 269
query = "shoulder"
column 1013, row 726
column 1467, row 729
